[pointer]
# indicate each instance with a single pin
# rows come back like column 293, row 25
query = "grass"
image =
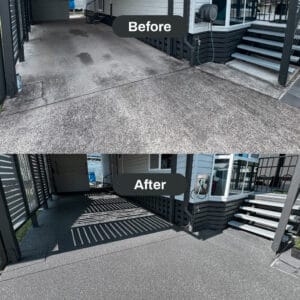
column 22, row 231
column 297, row 242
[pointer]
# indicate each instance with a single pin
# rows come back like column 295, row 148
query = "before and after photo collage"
column 149, row 149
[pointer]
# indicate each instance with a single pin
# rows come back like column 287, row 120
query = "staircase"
column 260, row 215
column 262, row 46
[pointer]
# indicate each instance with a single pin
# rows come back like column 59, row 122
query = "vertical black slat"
column 188, row 177
column 7, row 47
column 172, row 198
column 19, row 31
column 22, row 187
column 7, row 232
column 2, row 75
column 3, row 256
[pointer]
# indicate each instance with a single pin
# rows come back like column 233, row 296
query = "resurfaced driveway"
column 87, row 90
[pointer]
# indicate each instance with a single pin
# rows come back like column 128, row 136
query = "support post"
column 172, row 198
column 9, row 239
column 170, row 13
column 288, row 206
column 288, row 42
column 187, row 194
column 8, row 52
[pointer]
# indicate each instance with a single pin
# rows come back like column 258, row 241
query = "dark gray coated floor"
column 163, row 263
column 88, row 91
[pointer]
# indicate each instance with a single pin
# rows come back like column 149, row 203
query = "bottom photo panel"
column 143, row 226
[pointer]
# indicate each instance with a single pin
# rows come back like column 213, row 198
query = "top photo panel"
column 141, row 76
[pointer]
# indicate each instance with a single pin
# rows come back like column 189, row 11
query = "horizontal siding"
column 141, row 7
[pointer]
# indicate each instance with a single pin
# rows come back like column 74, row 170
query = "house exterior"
column 221, row 191
column 251, row 31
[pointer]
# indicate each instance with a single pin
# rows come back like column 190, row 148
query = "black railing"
column 273, row 10
column 275, row 173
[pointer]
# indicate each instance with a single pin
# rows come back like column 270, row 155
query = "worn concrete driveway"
column 87, row 90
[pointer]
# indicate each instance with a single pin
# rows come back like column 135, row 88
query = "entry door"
column 2, row 77
column 70, row 173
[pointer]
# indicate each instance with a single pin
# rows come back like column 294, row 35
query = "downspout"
column 188, row 176
column 186, row 16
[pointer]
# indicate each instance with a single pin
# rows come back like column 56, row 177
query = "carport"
column 53, row 191
column 66, row 57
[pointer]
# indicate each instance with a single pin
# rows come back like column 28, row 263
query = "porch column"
column 8, row 235
column 228, row 10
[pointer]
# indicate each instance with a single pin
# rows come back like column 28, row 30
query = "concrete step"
column 267, row 213
column 270, row 33
column 260, row 62
column 260, row 221
column 270, row 53
column 259, row 231
column 273, row 197
column 268, row 42
column 270, row 203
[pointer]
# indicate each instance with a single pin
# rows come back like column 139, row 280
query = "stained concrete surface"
column 133, row 98
column 165, row 264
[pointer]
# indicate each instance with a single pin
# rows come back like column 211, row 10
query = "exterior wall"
column 70, row 173
column 54, row 10
column 201, row 27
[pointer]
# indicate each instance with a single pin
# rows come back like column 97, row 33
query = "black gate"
column 23, row 190
column 275, row 173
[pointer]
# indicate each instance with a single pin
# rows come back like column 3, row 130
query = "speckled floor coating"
column 167, row 264
column 159, row 105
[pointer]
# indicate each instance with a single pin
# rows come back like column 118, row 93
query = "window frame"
column 159, row 164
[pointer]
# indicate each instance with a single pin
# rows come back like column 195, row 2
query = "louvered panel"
column 12, row 190
column 28, row 182
column 14, row 28
column 35, row 171
column 43, row 176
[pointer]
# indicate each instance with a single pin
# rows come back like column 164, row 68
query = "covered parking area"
column 67, row 57
column 54, row 193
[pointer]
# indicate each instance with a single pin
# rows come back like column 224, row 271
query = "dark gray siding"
column 206, row 215
column 54, row 10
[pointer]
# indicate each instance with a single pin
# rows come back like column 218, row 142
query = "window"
column 160, row 161
column 220, row 175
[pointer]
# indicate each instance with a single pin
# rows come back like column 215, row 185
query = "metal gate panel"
column 28, row 182
column 36, row 171
column 43, row 176
column 3, row 257
column 12, row 190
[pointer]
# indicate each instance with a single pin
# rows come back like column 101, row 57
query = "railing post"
column 288, row 42
column 288, row 206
